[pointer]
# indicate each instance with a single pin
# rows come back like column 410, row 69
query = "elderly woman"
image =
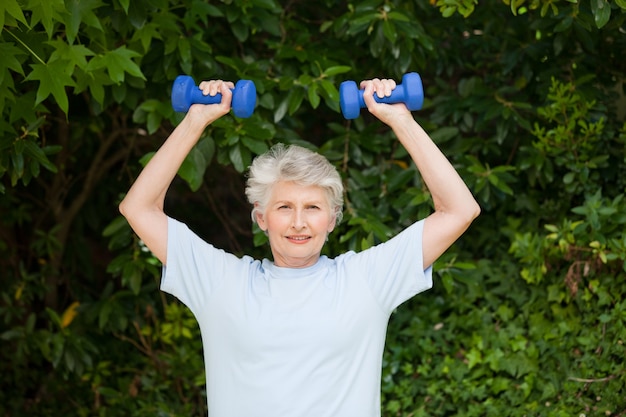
column 303, row 334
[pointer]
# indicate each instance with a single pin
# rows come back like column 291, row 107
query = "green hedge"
column 525, row 97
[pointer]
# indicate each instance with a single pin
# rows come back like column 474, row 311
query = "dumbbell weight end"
column 350, row 99
column 244, row 98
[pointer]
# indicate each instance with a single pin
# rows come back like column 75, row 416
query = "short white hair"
column 299, row 165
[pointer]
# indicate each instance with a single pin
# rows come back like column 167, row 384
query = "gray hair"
column 297, row 164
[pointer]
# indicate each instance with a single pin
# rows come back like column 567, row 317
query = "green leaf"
column 281, row 110
column 448, row 282
column 115, row 226
column 47, row 12
column 54, row 316
column 389, row 31
column 200, row 8
column 52, row 80
column 117, row 62
column 401, row 17
column 314, row 98
column 13, row 9
column 32, row 150
column 240, row 30
column 193, row 168
column 82, row 11
column 184, row 50
column 146, row 34
column 125, row 5
column 601, row 10
column 400, row 179
column 474, row 357
column 260, row 131
column 134, row 280
column 367, row 242
column 9, row 54
column 17, row 160
column 444, row 134
column 305, row 79
column 268, row 4
column 564, row 24
column 330, row 89
column 296, row 95
column 96, row 86
column 73, row 55
column 339, row 69
column 236, row 158
column 56, row 352
column 206, row 146
column 327, row 24
column 260, row 238
column 256, row 146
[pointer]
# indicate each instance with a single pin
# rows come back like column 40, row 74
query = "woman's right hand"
column 208, row 113
column 390, row 114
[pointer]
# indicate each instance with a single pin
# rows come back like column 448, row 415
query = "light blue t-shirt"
column 283, row 342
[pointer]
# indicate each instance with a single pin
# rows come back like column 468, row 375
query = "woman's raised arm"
column 143, row 204
column 455, row 206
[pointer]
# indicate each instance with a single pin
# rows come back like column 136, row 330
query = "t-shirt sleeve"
column 194, row 268
column 395, row 269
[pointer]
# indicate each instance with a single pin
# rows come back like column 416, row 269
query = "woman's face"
column 297, row 220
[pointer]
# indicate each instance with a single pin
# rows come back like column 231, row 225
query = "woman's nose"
column 299, row 220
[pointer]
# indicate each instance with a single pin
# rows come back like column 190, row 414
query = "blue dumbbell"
column 185, row 92
column 410, row 92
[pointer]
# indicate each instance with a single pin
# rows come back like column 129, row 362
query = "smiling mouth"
column 299, row 238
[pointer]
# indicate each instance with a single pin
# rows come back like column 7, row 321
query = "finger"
column 225, row 87
column 379, row 87
column 388, row 87
column 205, row 86
column 215, row 87
column 374, row 82
column 226, row 92
column 210, row 87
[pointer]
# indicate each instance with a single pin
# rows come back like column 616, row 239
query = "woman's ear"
column 333, row 223
column 258, row 215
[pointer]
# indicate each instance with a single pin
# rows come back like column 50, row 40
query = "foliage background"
column 525, row 97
